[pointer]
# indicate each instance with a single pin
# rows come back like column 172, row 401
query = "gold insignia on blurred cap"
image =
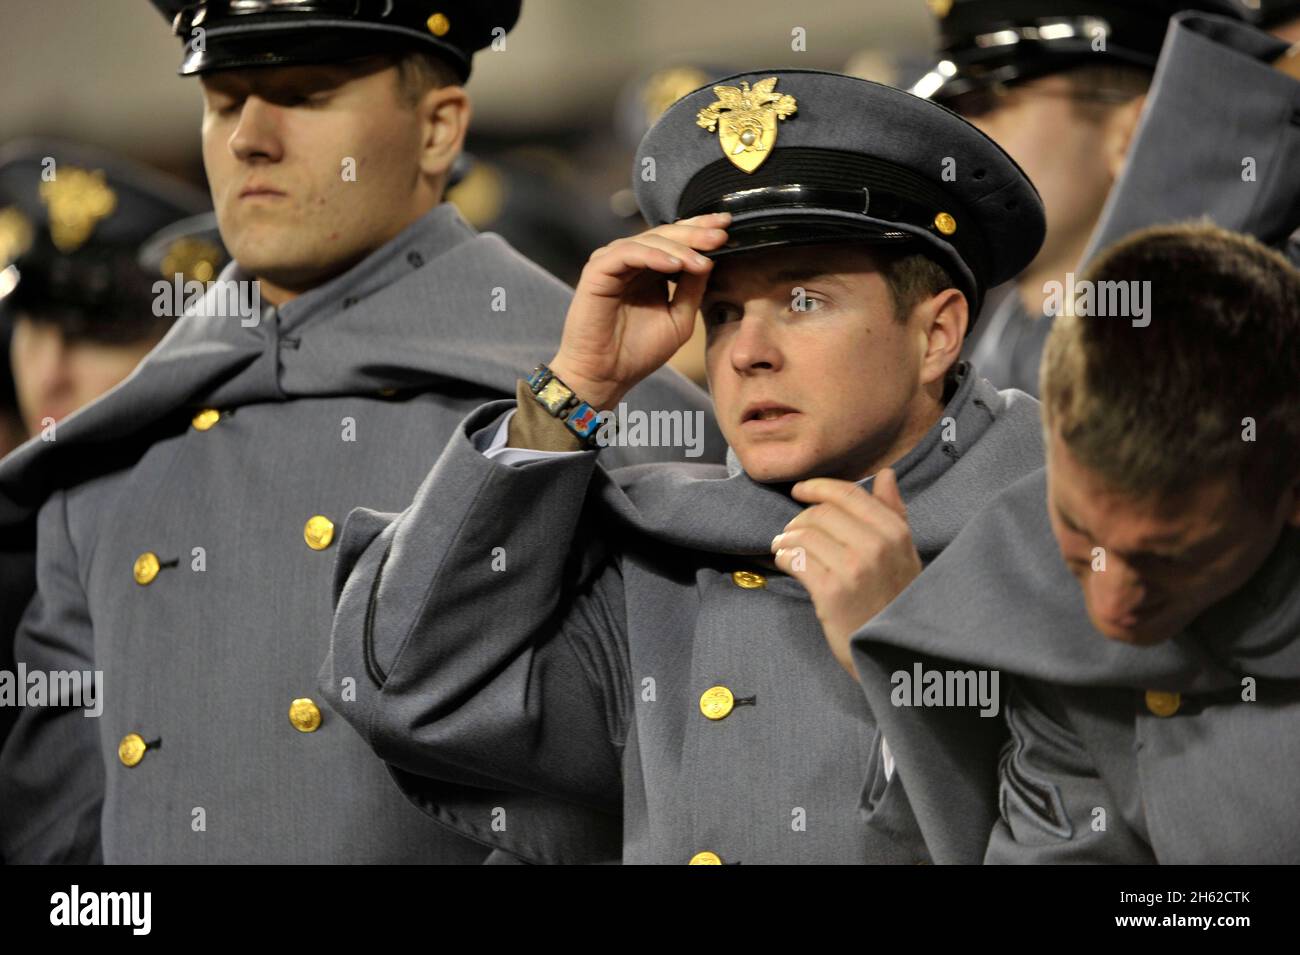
column 939, row 8
column 945, row 223
column 438, row 24
column 480, row 196
column 745, row 120
column 667, row 86
column 196, row 259
column 78, row 200
column 15, row 234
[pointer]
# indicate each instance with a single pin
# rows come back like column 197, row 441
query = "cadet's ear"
column 943, row 323
column 444, row 113
column 1118, row 132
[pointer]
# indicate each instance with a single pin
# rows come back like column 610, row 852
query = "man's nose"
column 1117, row 591
column 754, row 346
column 257, row 136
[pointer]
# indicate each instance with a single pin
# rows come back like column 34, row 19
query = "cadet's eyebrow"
column 721, row 286
column 1179, row 547
column 1068, row 521
column 222, row 83
column 1177, row 550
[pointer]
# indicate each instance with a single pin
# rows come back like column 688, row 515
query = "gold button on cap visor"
column 146, row 568
column 716, row 702
column 131, row 750
column 748, row 580
column 438, row 24
column 1163, row 704
column 705, row 858
column 319, row 532
column 205, row 419
column 304, row 715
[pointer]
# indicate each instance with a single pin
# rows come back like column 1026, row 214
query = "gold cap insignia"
column 15, row 235
column 745, row 119
column 939, row 8
column 480, row 196
column 193, row 258
column 77, row 201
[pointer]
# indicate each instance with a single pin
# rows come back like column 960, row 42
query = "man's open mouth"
column 766, row 412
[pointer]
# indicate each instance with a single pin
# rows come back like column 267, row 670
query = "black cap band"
column 809, row 178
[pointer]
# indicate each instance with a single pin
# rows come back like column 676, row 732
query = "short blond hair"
column 418, row 72
column 913, row 278
column 1159, row 409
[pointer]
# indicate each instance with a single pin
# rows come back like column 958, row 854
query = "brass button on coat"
column 131, row 750
column 748, row 580
column 319, row 532
column 1163, row 704
column 304, row 715
column 205, row 419
column 705, row 858
column 716, row 702
column 146, row 568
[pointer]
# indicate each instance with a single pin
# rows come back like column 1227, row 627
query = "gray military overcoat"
column 343, row 398
column 556, row 628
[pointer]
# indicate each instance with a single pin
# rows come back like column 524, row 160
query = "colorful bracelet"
column 560, row 402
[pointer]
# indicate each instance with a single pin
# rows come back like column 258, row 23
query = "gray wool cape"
column 343, row 397
column 550, row 627
column 1077, row 768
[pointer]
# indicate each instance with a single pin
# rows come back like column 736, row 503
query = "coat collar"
column 942, row 482
column 437, row 232
column 1257, row 629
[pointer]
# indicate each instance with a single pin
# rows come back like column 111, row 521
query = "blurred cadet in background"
column 1279, row 17
column 1060, row 85
column 76, row 300
column 533, row 196
column 12, row 432
column 1219, row 136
